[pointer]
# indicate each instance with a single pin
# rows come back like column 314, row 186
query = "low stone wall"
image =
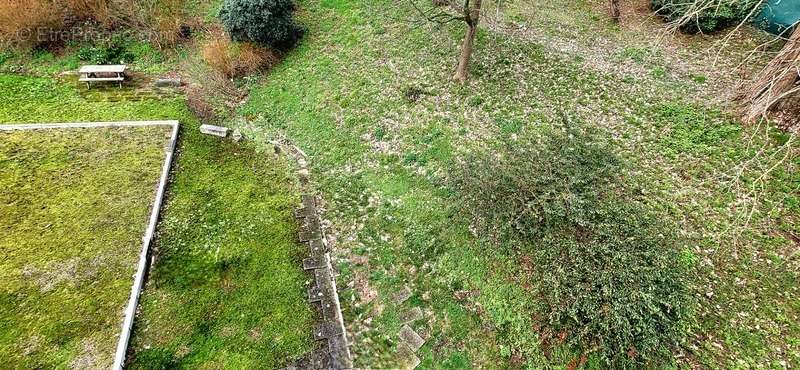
column 322, row 293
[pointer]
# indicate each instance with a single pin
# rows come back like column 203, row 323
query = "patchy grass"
column 227, row 266
column 76, row 204
column 381, row 153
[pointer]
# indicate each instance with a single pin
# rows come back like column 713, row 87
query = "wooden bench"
column 102, row 73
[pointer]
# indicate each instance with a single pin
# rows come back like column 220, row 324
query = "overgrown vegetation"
column 380, row 150
column 368, row 96
column 27, row 24
column 235, row 60
column 227, row 289
column 75, row 206
column 611, row 279
column 705, row 15
column 267, row 22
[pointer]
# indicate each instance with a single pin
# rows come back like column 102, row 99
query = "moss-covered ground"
column 75, row 206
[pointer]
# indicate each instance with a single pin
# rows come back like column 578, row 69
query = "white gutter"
column 141, row 270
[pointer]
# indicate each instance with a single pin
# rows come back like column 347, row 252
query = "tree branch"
column 437, row 16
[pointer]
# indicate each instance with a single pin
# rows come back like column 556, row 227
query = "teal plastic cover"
column 778, row 16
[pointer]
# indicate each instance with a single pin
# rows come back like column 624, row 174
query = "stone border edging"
column 323, row 293
column 141, row 270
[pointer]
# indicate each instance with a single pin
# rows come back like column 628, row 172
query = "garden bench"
column 102, row 73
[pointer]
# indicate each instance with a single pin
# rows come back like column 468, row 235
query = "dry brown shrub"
column 234, row 60
column 99, row 10
column 217, row 53
column 252, row 58
column 159, row 21
column 20, row 19
column 166, row 32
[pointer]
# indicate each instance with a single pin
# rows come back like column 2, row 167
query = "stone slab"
column 402, row 295
column 313, row 263
column 406, row 359
column 329, row 310
column 305, row 236
column 315, row 294
column 326, row 330
column 411, row 338
column 321, row 331
column 340, row 359
column 317, row 247
column 312, row 224
column 309, row 202
column 322, row 277
column 214, row 130
column 411, row 315
column 301, row 212
column 168, row 82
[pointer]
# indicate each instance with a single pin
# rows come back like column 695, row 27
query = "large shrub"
column 704, row 15
column 609, row 274
column 267, row 22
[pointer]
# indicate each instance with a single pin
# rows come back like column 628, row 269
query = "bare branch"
column 436, row 15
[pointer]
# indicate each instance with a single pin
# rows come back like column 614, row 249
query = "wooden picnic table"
column 103, row 73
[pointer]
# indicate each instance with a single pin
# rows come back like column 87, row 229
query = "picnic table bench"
column 102, row 73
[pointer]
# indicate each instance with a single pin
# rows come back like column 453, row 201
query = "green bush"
column 542, row 182
column 5, row 56
column 609, row 272
column 267, row 22
column 110, row 51
column 714, row 14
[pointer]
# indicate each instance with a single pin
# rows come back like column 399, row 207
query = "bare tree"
column 776, row 82
column 470, row 14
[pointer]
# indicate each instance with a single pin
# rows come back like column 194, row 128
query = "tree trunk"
column 775, row 81
column 472, row 20
column 462, row 71
column 615, row 10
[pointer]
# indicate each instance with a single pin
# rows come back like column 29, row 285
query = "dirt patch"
column 54, row 274
column 361, row 283
column 32, row 345
column 90, row 357
column 74, row 271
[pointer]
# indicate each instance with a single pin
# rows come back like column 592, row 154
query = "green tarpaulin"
column 779, row 15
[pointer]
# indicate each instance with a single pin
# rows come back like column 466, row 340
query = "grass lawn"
column 368, row 96
column 227, row 288
column 75, row 207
